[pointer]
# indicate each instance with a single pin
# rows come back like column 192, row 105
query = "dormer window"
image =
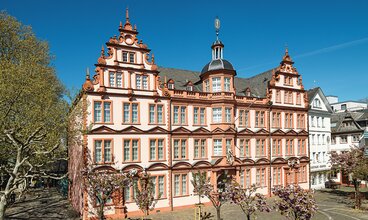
column 227, row 84
column 170, row 84
column 216, row 84
column 189, row 88
column 247, row 92
column 206, row 86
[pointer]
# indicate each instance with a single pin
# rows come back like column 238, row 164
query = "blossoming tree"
column 247, row 199
column 355, row 164
column 295, row 203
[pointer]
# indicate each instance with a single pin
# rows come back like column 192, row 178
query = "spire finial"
column 127, row 14
column 286, row 48
column 217, row 26
column 87, row 73
column 102, row 51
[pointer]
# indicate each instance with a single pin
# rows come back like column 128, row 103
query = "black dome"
column 218, row 64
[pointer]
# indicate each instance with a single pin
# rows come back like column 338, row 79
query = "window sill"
column 178, row 159
column 157, row 124
column 102, row 163
column 200, row 125
column 128, row 162
column 103, row 123
column 180, row 124
column 200, row 158
column 128, row 123
column 157, row 160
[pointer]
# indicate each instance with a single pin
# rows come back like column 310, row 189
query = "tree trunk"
column 101, row 215
column 357, row 194
column 248, row 217
column 218, row 213
column 2, row 207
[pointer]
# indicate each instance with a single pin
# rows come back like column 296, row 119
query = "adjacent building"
column 171, row 122
column 349, row 105
column 319, row 137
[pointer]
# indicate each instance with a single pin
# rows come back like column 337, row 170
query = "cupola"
column 218, row 62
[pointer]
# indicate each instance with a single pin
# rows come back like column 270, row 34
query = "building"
column 319, row 137
column 346, row 105
column 171, row 122
column 347, row 129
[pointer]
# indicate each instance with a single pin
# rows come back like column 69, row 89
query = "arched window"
column 247, row 92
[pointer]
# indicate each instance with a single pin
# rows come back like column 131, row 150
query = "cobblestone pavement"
column 48, row 204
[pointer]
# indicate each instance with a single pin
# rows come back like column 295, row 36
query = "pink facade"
column 144, row 117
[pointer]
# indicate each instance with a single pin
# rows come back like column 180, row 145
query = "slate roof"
column 340, row 117
column 257, row 84
column 312, row 93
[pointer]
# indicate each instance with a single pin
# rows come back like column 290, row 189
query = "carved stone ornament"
column 230, row 157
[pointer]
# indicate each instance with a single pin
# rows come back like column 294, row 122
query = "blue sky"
column 328, row 40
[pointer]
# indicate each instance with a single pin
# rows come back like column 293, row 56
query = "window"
column 277, row 147
column 343, row 107
column 289, row 147
column 312, row 121
column 131, row 57
column 318, row 139
column 130, row 113
column 159, row 186
column 189, row 88
column 276, row 120
column 125, row 56
column 260, row 119
column 216, row 84
column 103, row 151
column 244, row 118
column 288, row 97
column 115, row 80
column 289, row 120
column 277, row 176
column 217, row 115
column 180, row 115
column 171, row 85
column 300, row 121
column 131, row 151
column 302, row 147
column 245, row 178
column 156, row 113
column 180, row 149
column 260, row 147
column 199, row 116
column 278, row 96
column 288, row 81
column 217, row 147
column 102, row 111
column 157, row 149
column 318, row 122
column 303, row 174
column 344, row 139
column 228, row 115
column 317, row 103
column 228, row 145
column 245, row 148
column 323, row 139
column 180, row 184
column 298, row 98
column 227, row 84
column 323, row 122
column 141, row 82
column 200, row 148
column 130, row 192
column 261, row 177
column 355, row 138
column 206, row 86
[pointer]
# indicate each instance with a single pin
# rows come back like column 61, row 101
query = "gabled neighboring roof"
column 341, row 117
column 257, row 84
column 312, row 94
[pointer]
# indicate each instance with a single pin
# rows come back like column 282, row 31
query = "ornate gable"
column 262, row 131
column 102, row 130
column 246, row 131
column 303, row 133
column 132, row 130
column 278, row 132
column 181, row 130
column 291, row 132
column 157, row 130
column 201, row 130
